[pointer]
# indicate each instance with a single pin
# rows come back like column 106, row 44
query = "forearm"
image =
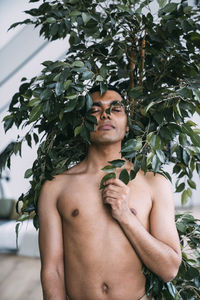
column 53, row 285
column 156, row 255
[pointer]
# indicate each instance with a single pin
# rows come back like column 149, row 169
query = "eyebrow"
column 114, row 102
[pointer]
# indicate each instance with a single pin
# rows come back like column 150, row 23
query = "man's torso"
column 100, row 262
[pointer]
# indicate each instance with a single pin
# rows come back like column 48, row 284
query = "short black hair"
column 110, row 87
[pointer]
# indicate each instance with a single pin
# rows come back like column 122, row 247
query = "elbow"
column 172, row 271
column 170, row 275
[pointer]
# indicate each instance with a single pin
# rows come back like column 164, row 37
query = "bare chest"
column 82, row 205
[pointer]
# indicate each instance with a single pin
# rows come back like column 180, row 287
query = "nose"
column 105, row 115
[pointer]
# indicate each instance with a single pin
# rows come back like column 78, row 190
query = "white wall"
column 16, row 47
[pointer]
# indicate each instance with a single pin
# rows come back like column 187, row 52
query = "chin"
column 104, row 140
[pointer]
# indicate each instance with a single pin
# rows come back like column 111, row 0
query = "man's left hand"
column 116, row 193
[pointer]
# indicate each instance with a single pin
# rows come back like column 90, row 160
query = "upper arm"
column 50, row 232
column 162, row 219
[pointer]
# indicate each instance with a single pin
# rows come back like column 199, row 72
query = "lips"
column 106, row 126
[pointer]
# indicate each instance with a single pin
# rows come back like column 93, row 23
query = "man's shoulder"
column 156, row 181
column 63, row 179
column 155, row 177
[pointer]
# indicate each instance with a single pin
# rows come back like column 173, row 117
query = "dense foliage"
column 153, row 58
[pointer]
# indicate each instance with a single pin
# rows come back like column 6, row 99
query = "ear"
column 127, row 129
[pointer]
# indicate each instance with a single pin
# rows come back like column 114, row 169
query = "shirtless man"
column 92, row 246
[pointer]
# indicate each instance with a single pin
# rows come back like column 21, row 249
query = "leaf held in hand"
column 106, row 177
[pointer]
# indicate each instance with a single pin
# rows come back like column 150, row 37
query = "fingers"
column 109, row 200
column 110, row 193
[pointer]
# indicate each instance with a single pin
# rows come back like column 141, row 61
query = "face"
column 111, row 127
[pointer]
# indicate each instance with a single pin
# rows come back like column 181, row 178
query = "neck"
column 99, row 155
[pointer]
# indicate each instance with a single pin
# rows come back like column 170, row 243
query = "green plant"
column 153, row 58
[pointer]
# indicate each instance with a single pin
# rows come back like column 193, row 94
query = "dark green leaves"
column 124, row 176
column 117, row 163
column 28, row 173
column 35, row 114
column 132, row 145
column 169, row 8
column 186, row 128
column 88, row 102
column 70, row 105
column 8, row 122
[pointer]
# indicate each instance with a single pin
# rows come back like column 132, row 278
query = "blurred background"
column 21, row 53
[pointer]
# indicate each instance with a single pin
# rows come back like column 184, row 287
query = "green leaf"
column 180, row 188
column 78, row 63
column 181, row 227
column 192, row 184
column 195, row 138
column 156, row 164
column 109, row 169
column 51, row 20
column 117, row 163
column 185, row 92
column 86, row 18
column 136, row 92
column 59, row 88
column 106, row 177
column 23, row 217
column 85, row 134
column 8, row 122
column 124, row 176
column 87, row 75
column 67, row 84
column 77, row 130
column 28, row 173
column 185, row 196
column 170, row 7
column 34, row 102
column 70, row 105
column 71, row 97
column 132, row 145
column 35, row 137
column 92, row 119
column 89, row 125
column 46, row 94
column 129, row 145
column 75, row 13
column 35, row 113
column 160, row 155
column 192, row 273
column 54, row 29
column 162, row 3
column 183, row 139
column 171, row 289
column 99, row 78
column 89, row 102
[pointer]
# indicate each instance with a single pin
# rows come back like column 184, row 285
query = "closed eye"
column 95, row 110
column 117, row 109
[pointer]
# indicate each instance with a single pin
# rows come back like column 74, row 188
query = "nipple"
column 75, row 212
column 105, row 288
column 133, row 210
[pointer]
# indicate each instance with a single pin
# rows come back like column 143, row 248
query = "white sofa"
column 27, row 239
